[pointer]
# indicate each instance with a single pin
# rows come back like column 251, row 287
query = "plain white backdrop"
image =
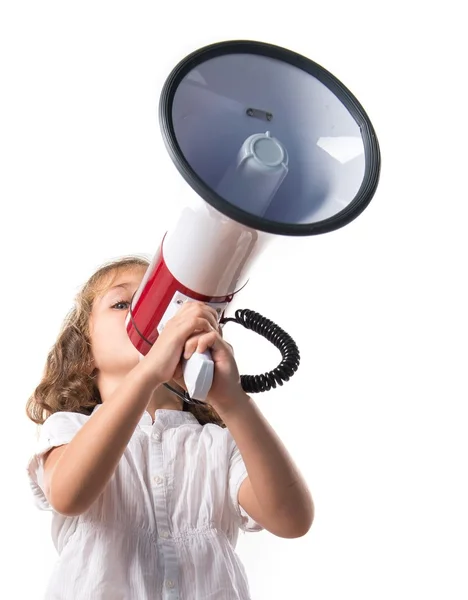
column 376, row 414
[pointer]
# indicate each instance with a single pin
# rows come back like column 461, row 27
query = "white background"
column 375, row 417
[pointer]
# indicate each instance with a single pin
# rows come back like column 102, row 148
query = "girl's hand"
column 163, row 361
column 226, row 390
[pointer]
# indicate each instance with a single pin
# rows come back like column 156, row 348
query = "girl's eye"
column 120, row 304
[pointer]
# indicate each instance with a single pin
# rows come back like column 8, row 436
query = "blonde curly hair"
column 69, row 379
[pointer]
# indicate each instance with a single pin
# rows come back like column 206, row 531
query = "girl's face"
column 112, row 350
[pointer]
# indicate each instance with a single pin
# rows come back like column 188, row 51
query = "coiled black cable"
column 252, row 320
column 253, row 384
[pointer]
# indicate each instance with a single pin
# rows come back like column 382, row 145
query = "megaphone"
column 270, row 143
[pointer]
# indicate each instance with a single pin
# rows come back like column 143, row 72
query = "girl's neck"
column 162, row 398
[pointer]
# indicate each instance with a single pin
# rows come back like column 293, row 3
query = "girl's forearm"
column 278, row 485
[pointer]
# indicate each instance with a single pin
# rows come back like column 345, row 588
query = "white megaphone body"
column 270, row 144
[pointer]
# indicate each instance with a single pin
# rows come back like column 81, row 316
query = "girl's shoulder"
column 218, row 435
column 63, row 420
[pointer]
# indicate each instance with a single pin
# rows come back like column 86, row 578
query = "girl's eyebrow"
column 120, row 285
column 125, row 286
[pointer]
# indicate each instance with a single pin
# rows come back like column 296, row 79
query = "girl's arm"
column 75, row 474
column 274, row 494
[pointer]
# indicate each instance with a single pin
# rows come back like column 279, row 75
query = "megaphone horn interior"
column 269, row 138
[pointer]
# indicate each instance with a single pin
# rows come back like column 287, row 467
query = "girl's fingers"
column 200, row 309
column 202, row 342
column 191, row 346
column 189, row 326
column 209, row 340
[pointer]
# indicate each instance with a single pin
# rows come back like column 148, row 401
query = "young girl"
column 148, row 493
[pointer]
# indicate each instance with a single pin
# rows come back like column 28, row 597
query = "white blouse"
column 165, row 526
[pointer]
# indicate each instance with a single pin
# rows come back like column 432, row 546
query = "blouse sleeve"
column 237, row 474
column 57, row 430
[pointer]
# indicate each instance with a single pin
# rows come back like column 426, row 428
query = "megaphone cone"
column 270, row 144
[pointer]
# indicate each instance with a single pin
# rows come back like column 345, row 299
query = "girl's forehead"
column 117, row 277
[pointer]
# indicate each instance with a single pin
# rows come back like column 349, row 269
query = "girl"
column 148, row 493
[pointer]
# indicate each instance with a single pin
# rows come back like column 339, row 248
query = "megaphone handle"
column 198, row 373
